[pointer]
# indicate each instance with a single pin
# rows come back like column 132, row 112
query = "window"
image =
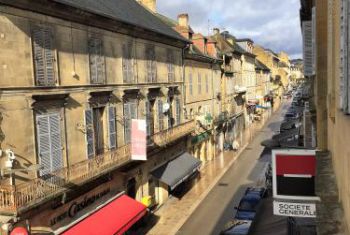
column 44, row 58
column 112, row 128
column 97, row 61
column 49, row 142
column 160, row 115
column 151, row 64
column 128, row 63
column 130, row 112
column 190, row 84
column 94, row 131
column 170, row 113
column 170, row 63
column 207, row 83
column 178, row 111
column 199, row 84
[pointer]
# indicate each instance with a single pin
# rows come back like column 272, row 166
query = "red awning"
column 114, row 218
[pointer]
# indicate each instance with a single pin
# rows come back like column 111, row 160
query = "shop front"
column 175, row 173
column 100, row 208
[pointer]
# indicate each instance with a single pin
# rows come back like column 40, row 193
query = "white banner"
column 138, row 140
column 294, row 209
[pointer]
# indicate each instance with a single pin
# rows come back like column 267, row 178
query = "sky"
column 273, row 24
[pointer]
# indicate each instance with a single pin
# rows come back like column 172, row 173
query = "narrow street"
column 218, row 207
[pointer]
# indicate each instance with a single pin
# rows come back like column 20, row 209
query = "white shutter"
column 49, row 142
column 89, row 133
column 112, row 128
column 130, row 112
column 307, row 48
column 313, row 31
column 44, row 59
column 56, row 143
column 44, row 148
column 97, row 61
column 346, row 82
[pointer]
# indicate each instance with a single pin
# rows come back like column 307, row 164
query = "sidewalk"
column 175, row 212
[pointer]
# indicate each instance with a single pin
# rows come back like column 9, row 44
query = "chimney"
column 183, row 20
column 216, row 31
column 149, row 4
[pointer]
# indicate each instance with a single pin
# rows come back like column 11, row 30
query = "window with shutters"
column 190, row 84
column 160, row 115
column 178, row 111
column 49, row 142
column 97, row 61
column 130, row 112
column 44, row 56
column 151, row 64
column 128, row 63
column 112, row 128
column 170, row 64
column 199, row 84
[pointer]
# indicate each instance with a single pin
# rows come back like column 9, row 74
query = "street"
column 218, row 207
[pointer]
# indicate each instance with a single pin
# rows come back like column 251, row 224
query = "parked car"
column 250, row 203
column 290, row 116
column 237, row 227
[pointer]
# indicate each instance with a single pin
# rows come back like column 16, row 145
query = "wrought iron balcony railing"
column 16, row 198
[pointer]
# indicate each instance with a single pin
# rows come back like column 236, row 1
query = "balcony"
column 167, row 136
column 16, row 198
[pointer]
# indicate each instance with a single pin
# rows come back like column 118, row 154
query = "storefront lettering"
column 78, row 206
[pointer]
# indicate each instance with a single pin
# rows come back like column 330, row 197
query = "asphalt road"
column 218, row 207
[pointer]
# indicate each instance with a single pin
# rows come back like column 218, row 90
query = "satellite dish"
column 166, row 107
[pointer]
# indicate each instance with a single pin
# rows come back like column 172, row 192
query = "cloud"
column 271, row 23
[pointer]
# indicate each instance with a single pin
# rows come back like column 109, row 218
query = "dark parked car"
column 249, row 204
column 237, row 227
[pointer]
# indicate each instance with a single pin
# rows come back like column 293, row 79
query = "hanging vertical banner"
column 138, row 140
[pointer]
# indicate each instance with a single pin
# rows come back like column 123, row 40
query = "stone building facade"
column 71, row 87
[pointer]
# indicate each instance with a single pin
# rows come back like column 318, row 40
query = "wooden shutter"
column 307, row 48
column 44, row 148
column 125, row 63
column 170, row 113
column 148, row 117
column 97, row 61
column 89, row 133
column 199, row 84
column 178, row 111
column 44, row 59
column 206, row 83
column 49, row 143
column 190, row 81
column 346, row 81
column 170, row 65
column 127, row 122
column 112, row 128
column 56, row 143
column 160, row 115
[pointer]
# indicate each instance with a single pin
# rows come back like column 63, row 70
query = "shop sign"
column 305, row 210
column 294, row 173
column 78, row 206
column 138, row 140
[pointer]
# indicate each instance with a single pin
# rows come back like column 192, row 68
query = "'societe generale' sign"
column 294, row 174
column 290, row 209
